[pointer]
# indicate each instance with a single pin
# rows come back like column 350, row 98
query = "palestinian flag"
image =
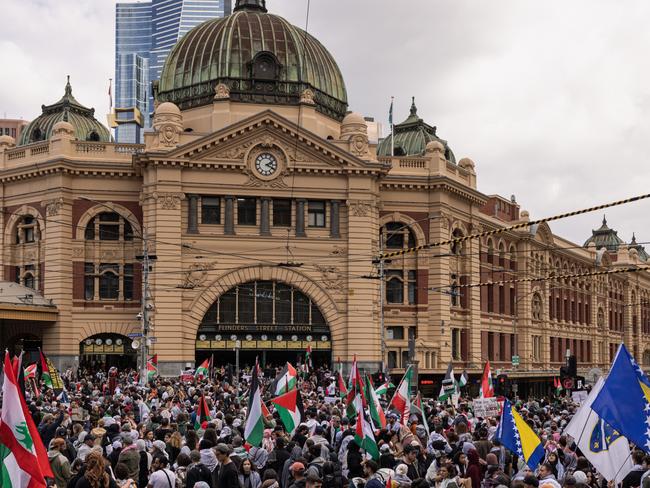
column 383, row 388
column 202, row 413
column 355, row 399
column 402, row 398
column 290, row 409
column 50, row 375
column 418, row 409
column 254, row 429
column 285, row 381
column 152, row 367
column 203, row 370
column 376, row 412
column 463, row 380
column 343, row 390
column 557, row 383
column 30, row 371
column 365, row 437
column 487, row 387
column 449, row 386
column 19, row 457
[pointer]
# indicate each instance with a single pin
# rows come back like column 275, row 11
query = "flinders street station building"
column 264, row 204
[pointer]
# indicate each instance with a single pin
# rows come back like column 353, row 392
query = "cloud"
column 550, row 99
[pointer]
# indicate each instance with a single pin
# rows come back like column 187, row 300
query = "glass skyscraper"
column 145, row 32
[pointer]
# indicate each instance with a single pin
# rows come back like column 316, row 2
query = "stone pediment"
column 303, row 149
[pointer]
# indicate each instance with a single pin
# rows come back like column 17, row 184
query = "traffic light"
column 502, row 387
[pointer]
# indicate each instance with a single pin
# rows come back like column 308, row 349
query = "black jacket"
column 198, row 472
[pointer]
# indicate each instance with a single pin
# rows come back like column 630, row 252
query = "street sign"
column 133, row 335
column 515, row 360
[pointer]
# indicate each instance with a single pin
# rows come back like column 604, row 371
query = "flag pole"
column 392, row 129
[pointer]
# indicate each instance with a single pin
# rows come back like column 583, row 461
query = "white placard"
column 486, row 407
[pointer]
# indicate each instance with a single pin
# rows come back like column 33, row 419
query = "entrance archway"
column 102, row 351
column 271, row 320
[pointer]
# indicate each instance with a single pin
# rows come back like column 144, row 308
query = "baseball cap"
column 297, row 467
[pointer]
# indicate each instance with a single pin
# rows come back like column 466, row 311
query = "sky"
column 551, row 100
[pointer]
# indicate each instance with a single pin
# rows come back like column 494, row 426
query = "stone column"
column 265, row 225
column 229, row 219
column 193, row 214
column 300, row 217
column 335, row 207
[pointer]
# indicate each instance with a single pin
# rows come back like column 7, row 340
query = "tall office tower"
column 145, row 32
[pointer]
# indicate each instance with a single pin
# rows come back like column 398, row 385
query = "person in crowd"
column 161, row 476
column 58, row 462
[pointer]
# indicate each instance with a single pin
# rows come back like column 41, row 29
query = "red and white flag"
column 487, row 387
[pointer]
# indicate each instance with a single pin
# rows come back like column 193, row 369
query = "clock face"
column 266, row 164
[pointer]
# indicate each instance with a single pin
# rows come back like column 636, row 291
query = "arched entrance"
column 102, row 351
column 271, row 320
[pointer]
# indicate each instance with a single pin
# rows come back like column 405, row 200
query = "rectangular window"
column 502, row 300
column 228, row 307
column 392, row 359
column 412, row 287
column 300, row 309
column 282, row 213
column 405, row 359
column 128, row 282
column 513, row 301
column 395, row 333
column 109, row 232
column 29, row 234
column 264, row 299
column 89, row 281
column 210, row 210
column 316, row 214
column 282, row 304
column 246, row 211
column 455, row 344
column 490, row 298
column 109, row 281
column 246, row 303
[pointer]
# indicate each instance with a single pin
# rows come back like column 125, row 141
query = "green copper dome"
column 605, row 237
column 260, row 57
column 67, row 109
column 412, row 137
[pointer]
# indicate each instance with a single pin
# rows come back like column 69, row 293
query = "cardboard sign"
column 579, row 397
column 486, row 407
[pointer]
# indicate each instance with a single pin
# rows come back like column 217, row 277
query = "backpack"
column 318, row 467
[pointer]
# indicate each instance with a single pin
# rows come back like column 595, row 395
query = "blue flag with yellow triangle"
column 624, row 400
column 515, row 434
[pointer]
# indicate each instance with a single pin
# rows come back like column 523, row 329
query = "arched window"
column 490, row 251
column 600, row 320
column 400, row 274
column 108, row 226
column 112, row 280
column 93, row 136
column 37, row 135
column 26, row 250
column 537, row 307
column 266, row 67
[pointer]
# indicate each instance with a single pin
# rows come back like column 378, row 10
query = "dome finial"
column 250, row 5
column 414, row 109
column 633, row 238
column 68, row 87
column 604, row 220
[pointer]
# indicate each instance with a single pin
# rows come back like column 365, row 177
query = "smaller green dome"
column 412, row 137
column 67, row 109
column 605, row 237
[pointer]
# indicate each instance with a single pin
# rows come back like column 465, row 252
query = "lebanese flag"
column 19, row 461
column 254, row 429
column 487, row 387
column 376, row 412
column 202, row 413
column 402, row 399
column 290, row 409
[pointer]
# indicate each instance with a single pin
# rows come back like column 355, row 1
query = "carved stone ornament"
column 360, row 208
column 77, row 252
column 196, row 275
column 53, row 207
column 308, row 97
column 169, row 201
column 331, row 277
column 359, row 145
column 109, row 255
column 221, row 92
column 338, row 251
column 168, row 124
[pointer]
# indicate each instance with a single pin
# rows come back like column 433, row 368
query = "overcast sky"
column 550, row 99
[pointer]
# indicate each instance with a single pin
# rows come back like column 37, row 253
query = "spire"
column 68, row 88
column 414, row 109
column 250, row 5
column 633, row 239
column 604, row 220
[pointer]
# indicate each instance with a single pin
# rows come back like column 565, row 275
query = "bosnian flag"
column 254, row 429
column 19, row 463
column 402, row 399
column 487, row 387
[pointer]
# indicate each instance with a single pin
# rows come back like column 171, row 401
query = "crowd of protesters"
column 128, row 436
